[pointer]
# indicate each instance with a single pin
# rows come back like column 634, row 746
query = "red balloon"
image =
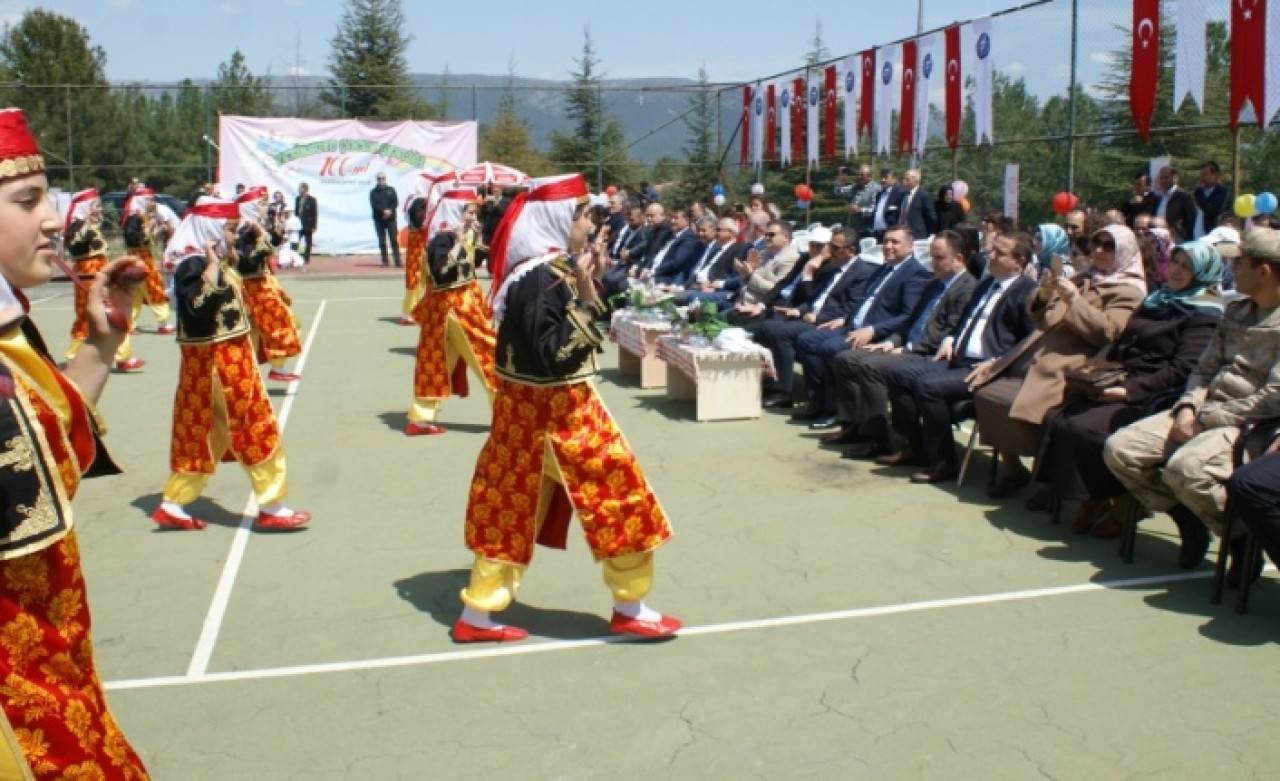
column 800, row 191
column 1064, row 202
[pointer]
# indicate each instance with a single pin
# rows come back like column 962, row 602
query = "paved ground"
column 842, row 623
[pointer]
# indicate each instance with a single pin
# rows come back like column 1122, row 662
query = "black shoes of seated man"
column 1194, row 534
column 777, row 401
column 1009, row 484
column 847, row 435
column 940, row 472
column 867, row 450
column 808, row 413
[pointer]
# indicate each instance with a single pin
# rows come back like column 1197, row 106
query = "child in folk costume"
column 553, row 448
column 273, row 325
column 457, row 331
column 139, row 230
column 221, row 406
column 415, row 209
column 55, row 722
column 87, row 248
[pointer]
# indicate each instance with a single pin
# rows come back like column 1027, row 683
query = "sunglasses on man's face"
column 771, row 235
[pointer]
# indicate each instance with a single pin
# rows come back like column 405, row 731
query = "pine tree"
column 702, row 165
column 598, row 141
column 370, row 73
column 506, row 139
column 237, row 91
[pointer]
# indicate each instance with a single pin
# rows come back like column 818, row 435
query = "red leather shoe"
column 279, row 376
column 281, row 522
column 406, row 320
column 167, row 329
column 626, row 625
column 466, row 633
column 130, row 365
column 415, row 429
column 174, row 522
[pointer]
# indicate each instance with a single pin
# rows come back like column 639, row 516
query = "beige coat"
column 1066, row 336
column 1238, row 378
column 770, row 273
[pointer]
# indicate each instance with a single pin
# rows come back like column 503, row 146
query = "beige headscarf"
column 1126, row 268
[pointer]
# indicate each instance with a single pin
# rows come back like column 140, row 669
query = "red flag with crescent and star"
column 1248, row 57
column 798, row 104
column 954, row 84
column 1145, row 73
column 867, row 102
column 771, row 122
column 744, row 153
column 829, row 118
column 907, row 112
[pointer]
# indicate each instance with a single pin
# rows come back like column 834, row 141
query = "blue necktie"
column 923, row 319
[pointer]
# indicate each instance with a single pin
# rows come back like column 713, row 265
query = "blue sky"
column 736, row 39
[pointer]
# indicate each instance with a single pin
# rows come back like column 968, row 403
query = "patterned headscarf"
column 1205, row 290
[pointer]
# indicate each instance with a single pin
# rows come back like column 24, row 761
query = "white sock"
column 174, row 509
column 637, row 609
column 276, row 508
column 478, row 618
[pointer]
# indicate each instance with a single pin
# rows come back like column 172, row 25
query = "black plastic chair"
column 1253, row 441
column 961, row 411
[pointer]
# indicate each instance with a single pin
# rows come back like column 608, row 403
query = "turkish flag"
column 954, row 84
column 1146, row 64
column 867, row 102
column 907, row 112
column 744, row 154
column 1248, row 57
column 798, row 105
column 771, row 122
column 829, row 119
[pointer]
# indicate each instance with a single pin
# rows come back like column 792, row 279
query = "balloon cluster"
column 804, row 196
column 1248, row 205
column 717, row 195
column 960, row 191
column 1064, row 202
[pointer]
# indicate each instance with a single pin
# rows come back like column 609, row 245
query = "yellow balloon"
column 1244, row 207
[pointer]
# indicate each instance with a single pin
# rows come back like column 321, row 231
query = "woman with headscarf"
column 56, row 721
column 553, row 448
column 87, row 249
column 273, row 325
column 455, row 320
column 950, row 212
column 220, row 408
column 139, row 231
column 1158, row 348
column 1075, row 318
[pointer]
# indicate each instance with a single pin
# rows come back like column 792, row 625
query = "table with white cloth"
column 724, row 383
column 636, row 334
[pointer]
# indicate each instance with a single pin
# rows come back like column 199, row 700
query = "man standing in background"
column 384, row 201
column 308, row 214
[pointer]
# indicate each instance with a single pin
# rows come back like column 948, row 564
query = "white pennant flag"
column 849, row 73
column 982, row 75
column 1272, row 77
column 1188, row 64
column 924, row 72
column 814, row 99
column 757, row 125
column 885, row 96
column 784, row 94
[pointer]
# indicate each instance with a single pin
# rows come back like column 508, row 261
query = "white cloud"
column 1015, row 68
column 1101, row 58
column 297, row 70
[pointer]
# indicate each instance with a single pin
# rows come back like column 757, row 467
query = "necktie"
column 868, row 298
column 974, row 317
column 917, row 329
column 622, row 237
column 706, row 259
column 906, row 207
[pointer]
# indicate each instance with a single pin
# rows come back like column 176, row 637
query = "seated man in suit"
column 862, row 393
column 793, row 290
column 713, row 264
column 922, row 393
column 839, row 275
column 677, row 258
column 870, row 315
column 624, row 241
column 756, row 272
column 918, row 212
column 657, row 236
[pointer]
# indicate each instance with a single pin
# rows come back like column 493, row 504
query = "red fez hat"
column 19, row 153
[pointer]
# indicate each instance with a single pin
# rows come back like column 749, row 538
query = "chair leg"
column 968, row 453
column 1129, row 532
column 994, row 471
column 1224, row 553
column 1252, row 550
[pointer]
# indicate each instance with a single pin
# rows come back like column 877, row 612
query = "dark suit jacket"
column 686, row 251
column 656, row 237
column 1010, row 320
column 1181, row 216
column 632, row 241
column 920, row 216
column 1212, row 203
column 892, row 301
column 942, row 320
column 892, row 197
column 308, row 213
column 1132, row 208
column 834, row 305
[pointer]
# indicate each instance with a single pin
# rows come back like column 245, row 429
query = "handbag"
column 1093, row 379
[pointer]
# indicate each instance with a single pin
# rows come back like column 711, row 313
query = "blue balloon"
column 802, row 204
column 718, row 190
column 1265, row 203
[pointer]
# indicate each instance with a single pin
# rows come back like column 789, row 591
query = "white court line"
column 346, row 300
column 489, row 652
column 222, row 595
